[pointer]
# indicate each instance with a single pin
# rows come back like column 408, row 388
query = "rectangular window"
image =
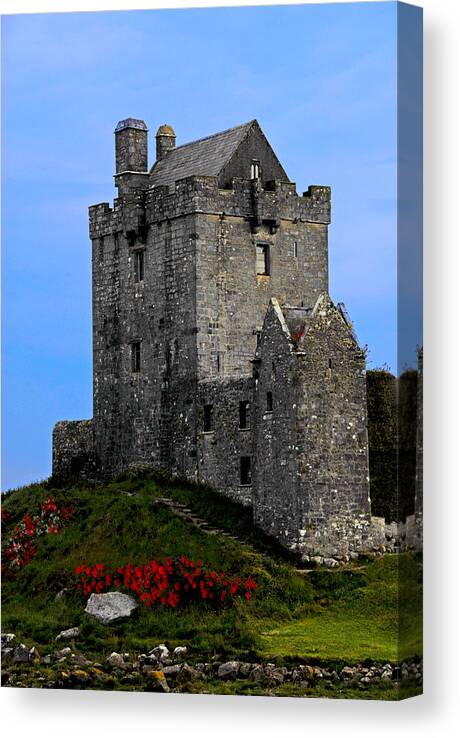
column 295, row 250
column 139, row 266
column 269, row 402
column 208, row 421
column 136, row 356
column 245, row 470
column 244, row 414
column 263, row 259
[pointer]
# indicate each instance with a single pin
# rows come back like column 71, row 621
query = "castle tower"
column 184, row 266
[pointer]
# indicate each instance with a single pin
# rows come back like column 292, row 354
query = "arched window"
column 255, row 170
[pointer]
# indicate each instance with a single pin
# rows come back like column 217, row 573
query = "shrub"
column 171, row 583
column 21, row 548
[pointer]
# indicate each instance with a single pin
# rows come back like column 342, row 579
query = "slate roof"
column 205, row 157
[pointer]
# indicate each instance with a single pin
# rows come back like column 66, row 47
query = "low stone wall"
column 342, row 539
column 69, row 668
column 73, row 449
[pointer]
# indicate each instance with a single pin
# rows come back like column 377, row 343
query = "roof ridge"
column 213, row 135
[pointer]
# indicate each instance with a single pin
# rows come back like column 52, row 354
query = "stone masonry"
column 217, row 354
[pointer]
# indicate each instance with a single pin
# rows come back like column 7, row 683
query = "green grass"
column 334, row 615
column 378, row 616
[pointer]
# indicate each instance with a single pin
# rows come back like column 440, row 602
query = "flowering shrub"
column 170, row 583
column 22, row 546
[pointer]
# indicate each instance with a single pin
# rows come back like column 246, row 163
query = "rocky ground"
column 159, row 670
column 332, row 631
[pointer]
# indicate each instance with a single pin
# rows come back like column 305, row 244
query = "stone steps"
column 184, row 512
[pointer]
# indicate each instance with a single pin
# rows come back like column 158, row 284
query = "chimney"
column 166, row 140
column 131, row 143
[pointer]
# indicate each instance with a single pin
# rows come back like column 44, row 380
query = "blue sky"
column 321, row 80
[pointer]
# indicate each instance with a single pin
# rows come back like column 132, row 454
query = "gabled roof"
column 205, row 157
column 295, row 321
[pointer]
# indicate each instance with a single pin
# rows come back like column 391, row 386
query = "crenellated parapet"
column 135, row 211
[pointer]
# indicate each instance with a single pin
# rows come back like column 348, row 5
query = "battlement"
column 201, row 194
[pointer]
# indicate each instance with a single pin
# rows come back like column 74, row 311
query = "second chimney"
column 166, row 140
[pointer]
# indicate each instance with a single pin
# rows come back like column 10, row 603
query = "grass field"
column 342, row 615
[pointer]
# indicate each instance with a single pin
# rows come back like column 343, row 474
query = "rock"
column 229, row 670
column 257, row 674
column 21, row 654
column 307, row 673
column 77, row 659
column 8, row 640
column 244, row 670
column 179, row 652
column 150, row 660
column 171, row 671
column 80, row 675
column 63, row 653
column 111, row 606
column 275, row 675
column 157, row 682
column 34, row 656
column 69, row 633
column 188, row 674
column 147, row 668
column 330, row 562
column 61, row 594
column 116, row 660
column 161, row 652
column 347, row 673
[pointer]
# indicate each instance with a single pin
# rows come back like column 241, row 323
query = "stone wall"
column 276, row 481
column 135, row 412
column 311, row 453
column 232, row 299
column 220, row 449
column 73, row 449
column 254, row 147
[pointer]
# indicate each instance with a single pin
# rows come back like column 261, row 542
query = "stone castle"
column 218, row 355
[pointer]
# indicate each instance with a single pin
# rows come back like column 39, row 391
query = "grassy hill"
column 334, row 616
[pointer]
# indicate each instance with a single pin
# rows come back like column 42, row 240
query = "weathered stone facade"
column 311, row 456
column 204, row 271
column 73, row 449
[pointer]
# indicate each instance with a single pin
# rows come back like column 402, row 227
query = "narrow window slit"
column 208, row 419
